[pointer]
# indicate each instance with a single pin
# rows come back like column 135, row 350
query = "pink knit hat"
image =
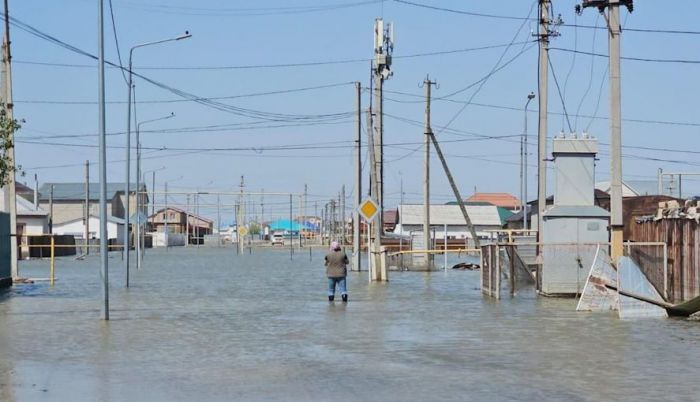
column 335, row 246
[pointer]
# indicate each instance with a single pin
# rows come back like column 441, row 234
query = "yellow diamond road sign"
column 243, row 230
column 368, row 209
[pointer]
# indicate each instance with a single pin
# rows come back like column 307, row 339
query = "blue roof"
column 285, row 224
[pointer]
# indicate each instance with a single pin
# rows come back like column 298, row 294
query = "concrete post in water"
column 427, row 84
column 543, row 38
column 104, row 261
column 87, row 207
column 10, row 191
column 356, row 264
column 51, row 210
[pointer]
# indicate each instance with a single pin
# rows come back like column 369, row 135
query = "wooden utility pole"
column 10, row 191
column 356, row 264
column 87, row 207
column 614, row 31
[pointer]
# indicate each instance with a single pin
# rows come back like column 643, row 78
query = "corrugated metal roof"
column 76, row 191
column 480, row 215
column 26, row 208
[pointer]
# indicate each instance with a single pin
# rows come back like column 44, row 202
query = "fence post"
column 666, row 271
column 512, row 270
column 52, row 276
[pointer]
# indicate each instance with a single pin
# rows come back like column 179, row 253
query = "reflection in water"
column 205, row 324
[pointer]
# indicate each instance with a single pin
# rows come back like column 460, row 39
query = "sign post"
column 368, row 209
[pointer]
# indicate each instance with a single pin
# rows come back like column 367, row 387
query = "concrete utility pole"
column 87, row 207
column 376, row 226
column 544, row 8
column 523, row 171
column 10, row 190
column 239, row 217
column 342, row 214
column 614, row 31
column 427, row 132
column 187, row 221
column 51, row 210
column 356, row 265
column 381, row 68
column 104, row 257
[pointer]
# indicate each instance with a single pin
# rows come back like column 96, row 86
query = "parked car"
column 277, row 238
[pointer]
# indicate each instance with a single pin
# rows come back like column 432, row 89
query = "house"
column 389, row 220
column 69, row 200
column 31, row 221
column 503, row 200
column 484, row 218
column 600, row 198
column 181, row 221
column 76, row 227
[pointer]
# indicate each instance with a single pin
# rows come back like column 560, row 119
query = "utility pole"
column 376, row 232
column 10, row 196
column 342, row 214
column 187, row 221
column 104, row 256
column 381, row 68
column 51, row 210
column 356, row 265
column 87, row 207
column 614, row 31
column 218, row 220
column 239, row 216
column 523, row 171
column 544, row 8
column 165, row 218
column 427, row 131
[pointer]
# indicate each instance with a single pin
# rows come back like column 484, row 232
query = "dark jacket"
column 336, row 262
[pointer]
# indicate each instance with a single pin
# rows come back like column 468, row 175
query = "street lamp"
column 523, row 165
column 130, row 84
column 138, row 185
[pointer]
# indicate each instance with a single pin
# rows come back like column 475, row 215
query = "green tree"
column 7, row 128
column 254, row 228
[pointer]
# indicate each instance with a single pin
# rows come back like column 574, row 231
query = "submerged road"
column 207, row 325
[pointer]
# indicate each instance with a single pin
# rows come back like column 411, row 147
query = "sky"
column 297, row 61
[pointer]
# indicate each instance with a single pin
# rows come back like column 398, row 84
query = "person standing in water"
column 336, row 271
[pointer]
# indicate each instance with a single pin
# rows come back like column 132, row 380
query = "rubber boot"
column 331, row 298
column 345, row 298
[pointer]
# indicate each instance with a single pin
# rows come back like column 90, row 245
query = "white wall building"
column 76, row 227
column 483, row 217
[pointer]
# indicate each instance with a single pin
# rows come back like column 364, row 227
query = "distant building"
column 177, row 222
column 483, row 217
column 76, row 227
column 503, row 200
column 69, row 200
column 390, row 219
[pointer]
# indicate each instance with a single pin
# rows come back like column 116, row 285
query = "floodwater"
column 207, row 325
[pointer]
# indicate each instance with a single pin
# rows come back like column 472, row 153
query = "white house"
column 76, row 227
column 483, row 217
column 31, row 220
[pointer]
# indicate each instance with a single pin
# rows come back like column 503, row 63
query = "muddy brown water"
column 207, row 325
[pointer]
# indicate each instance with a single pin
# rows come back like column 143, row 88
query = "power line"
column 561, row 97
column 249, row 95
column 277, row 65
column 644, row 59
